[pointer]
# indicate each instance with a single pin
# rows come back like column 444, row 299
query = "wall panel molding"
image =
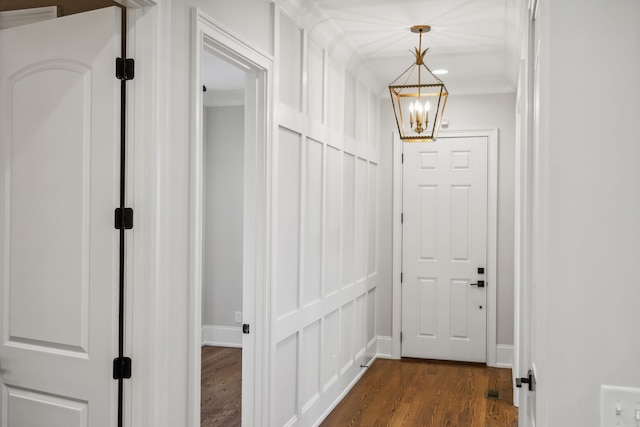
column 336, row 231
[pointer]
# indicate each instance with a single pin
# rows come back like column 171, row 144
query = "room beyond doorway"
column 223, row 231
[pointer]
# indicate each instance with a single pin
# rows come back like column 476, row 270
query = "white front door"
column 59, row 185
column 444, row 245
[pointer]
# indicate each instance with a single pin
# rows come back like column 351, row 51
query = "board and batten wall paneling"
column 364, row 130
column 290, row 63
column 350, row 101
column 310, row 365
column 285, row 397
column 312, row 220
column 360, row 212
column 332, row 221
column 335, row 95
column 345, row 351
column 330, row 349
column 371, row 316
column 373, row 121
column 372, row 261
column 325, row 227
column 348, row 219
column 359, row 332
column 315, row 81
column 287, row 221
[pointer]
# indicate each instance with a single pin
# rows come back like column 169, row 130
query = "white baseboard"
column 504, row 353
column 383, row 347
column 223, row 336
column 504, row 356
column 342, row 395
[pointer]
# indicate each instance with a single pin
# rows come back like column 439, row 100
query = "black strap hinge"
column 530, row 379
column 125, row 68
column 124, row 218
column 121, row 368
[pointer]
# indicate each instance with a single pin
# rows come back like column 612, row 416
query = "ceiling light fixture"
column 418, row 97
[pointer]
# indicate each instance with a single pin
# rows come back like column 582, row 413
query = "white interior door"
column 444, row 245
column 59, row 176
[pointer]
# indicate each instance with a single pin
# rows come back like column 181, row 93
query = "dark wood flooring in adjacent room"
column 221, row 387
column 425, row 393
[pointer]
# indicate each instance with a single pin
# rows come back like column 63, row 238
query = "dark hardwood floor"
column 414, row 393
column 407, row 392
column 221, row 387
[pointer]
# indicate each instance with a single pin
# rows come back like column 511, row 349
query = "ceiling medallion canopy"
column 418, row 98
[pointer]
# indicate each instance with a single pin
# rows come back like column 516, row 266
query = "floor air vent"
column 492, row 394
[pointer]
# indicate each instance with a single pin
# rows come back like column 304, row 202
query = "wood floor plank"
column 426, row 393
column 392, row 393
column 221, row 387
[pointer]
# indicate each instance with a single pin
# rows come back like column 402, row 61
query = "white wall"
column 223, row 228
column 325, row 212
column 465, row 112
column 324, row 256
column 163, row 80
column 589, row 296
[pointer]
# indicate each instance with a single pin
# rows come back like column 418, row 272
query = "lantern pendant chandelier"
column 423, row 100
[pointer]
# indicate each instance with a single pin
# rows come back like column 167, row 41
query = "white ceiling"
column 477, row 41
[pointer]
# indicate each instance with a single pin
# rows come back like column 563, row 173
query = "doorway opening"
column 222, row 220
column 229, row 217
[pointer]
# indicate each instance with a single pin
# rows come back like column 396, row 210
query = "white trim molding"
column 492, row 238
column 137, row 4
column 222, row 336
column 14, row 18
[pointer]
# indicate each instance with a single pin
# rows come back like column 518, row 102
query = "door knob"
column 480, row 284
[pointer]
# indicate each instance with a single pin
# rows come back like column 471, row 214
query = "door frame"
column 492, row 236
column 207, row 33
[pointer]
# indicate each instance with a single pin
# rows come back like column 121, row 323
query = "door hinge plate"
column 245, row 328
column 124, row 218
column 125, row 68
column 121, row 368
